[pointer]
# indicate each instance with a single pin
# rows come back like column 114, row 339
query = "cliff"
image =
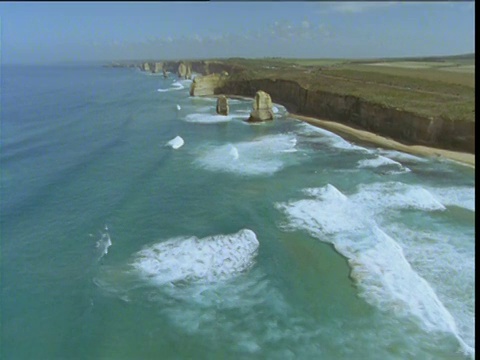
column 399, row 125
column 412, row 111
column 207, row 85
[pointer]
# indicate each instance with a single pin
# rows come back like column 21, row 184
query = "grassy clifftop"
column 444, row 88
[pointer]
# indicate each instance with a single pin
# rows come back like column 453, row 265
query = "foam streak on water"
column 378, row 266
column 208, row 260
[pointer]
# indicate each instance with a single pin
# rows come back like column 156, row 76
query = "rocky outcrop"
column 262, row 107
column 165, row 75
column 182, row 70
column 188, row 74
column 222, row 105
column 157, row 67
column 399, row 125
column 207, row 85
column 145, row 66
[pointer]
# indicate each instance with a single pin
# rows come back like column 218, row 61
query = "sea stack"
column 182, row 70
column 157, row 67
column 262, row 107
column 188, row 73
column 165, row 75
column 222, row 105
column 145, row 66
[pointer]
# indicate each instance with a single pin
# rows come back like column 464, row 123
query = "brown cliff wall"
column 397, row 124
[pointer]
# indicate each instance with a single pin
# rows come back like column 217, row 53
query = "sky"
column 49, row 32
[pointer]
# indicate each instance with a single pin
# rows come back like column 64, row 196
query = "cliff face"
column 397, row 124
column 400, row 125
column 207, row 85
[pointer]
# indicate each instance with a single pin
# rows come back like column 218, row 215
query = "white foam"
column 262, row 156
column 180, row 84
column 208, row 260
column 208, row 118
column 401, row 156
column 377, row 161
column 383, row 275
column 176, row 142
column 175, row 86
column 104, row 243
column 178, row 107
column 463, row 197
column 397, row 195
column 234, row 152
column 274, row 109
column 316, row 134
column 445, row 257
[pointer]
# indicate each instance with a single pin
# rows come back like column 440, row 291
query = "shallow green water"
column 353, row 252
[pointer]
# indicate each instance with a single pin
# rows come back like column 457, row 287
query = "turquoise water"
column 271, row 241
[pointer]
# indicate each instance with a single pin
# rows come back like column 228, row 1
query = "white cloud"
column 350, row 7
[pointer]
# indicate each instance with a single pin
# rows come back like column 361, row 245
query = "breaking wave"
column 206, row 260
column 383, row 275
column 263, row 156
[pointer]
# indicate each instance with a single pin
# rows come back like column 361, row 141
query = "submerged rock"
column 222, row 105
column 262, row 107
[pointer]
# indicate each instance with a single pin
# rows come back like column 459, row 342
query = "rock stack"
column 182, row 70
column 188, row 74
column 157, row 67
column 262, row 107
column 222, row 105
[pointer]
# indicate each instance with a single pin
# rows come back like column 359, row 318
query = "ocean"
column 277, row 240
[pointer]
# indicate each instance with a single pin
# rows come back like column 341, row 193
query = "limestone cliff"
column 399, row 125
column 207, row 85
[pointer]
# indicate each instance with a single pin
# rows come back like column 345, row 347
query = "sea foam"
column 176, row 142
column 208, row 260
column 378, row 266
column 202, row 118
column 262, row 156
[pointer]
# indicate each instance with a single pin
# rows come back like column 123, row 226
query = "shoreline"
column 351, row 133
column 372, row 138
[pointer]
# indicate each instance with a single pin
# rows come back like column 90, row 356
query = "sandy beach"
column 371, row 138
column 368, row 137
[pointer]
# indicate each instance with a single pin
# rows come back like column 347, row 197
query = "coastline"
column 371, row 138
column 374, row 139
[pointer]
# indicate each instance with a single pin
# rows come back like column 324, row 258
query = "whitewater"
column 138, row 223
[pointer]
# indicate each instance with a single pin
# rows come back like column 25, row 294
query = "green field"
column 433, row 86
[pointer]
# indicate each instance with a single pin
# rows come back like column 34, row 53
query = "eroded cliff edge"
column 400, row 125
column 411, row 126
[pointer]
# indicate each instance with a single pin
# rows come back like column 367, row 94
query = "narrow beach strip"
column 368, row 137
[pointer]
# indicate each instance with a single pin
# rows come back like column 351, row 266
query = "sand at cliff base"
column 362, row 135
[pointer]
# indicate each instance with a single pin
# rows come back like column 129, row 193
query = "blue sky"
column 83, row 31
